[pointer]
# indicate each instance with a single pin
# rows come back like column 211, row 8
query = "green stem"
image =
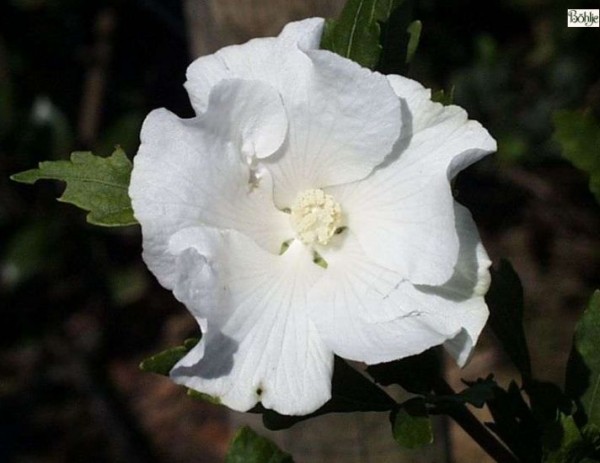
column 474, row 428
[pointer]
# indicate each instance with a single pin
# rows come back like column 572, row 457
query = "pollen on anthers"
column 315, row 216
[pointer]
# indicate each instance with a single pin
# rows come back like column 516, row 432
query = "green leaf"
column 350, row 392
column 567, row 445
column 505, row 301
column 357, row 33
column 579, row 137
column 414, row 31
column 583, row 369
column 163, row 362
column 96, row 184
column 411, row 426
column 249, row 447
column 417, row 374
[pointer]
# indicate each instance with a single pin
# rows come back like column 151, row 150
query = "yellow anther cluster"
column 315, row 216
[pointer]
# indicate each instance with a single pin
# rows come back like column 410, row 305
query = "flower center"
column 315, row 216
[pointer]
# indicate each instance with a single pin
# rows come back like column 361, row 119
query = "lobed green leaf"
column 96, row 184
column 249, row 447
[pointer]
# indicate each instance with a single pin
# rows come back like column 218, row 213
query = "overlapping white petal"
column 342, row 127
column 260, row 344
column 194, row 171
column 279, row 62
column 250, row 114
column 368, row 313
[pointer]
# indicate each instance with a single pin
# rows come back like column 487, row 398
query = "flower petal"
column 470, row 282
column 276, row 61
column 402, row 223
column 401, row 213
column 250, row 114
column 436, row 137
column 341, row 128
column 192, row 171
column 368, row 313
column 260, row 344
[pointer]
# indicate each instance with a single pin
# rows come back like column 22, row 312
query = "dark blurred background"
column 79, row 310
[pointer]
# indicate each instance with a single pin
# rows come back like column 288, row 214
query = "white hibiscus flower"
column 306, row 211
